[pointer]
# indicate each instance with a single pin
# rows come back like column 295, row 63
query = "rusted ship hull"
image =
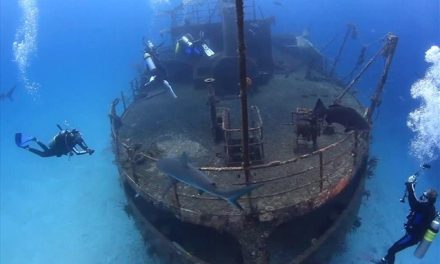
column 293, row 242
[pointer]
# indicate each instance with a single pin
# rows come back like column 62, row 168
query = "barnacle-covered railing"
column 284, row 182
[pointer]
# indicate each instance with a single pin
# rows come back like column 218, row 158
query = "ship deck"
column 294, row 182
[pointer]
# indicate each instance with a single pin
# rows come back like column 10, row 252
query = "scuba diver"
column 420, row 221
column 157, row 71
column 64, row 143
column 187, row 46
column 7, row 95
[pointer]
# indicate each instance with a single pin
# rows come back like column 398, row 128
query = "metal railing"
column 286, row 182
column 232, row 138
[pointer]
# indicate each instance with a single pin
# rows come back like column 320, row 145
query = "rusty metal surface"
column 163, row 127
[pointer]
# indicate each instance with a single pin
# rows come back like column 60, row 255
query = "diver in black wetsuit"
column 157, row 71
column 420, row 217
column 64, row 143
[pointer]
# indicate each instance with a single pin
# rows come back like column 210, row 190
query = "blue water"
column 72, row 57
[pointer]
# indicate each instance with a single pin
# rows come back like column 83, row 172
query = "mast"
column 243, row 88
column 389, row 50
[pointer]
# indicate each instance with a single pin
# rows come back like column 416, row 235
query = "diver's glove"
column 90, row 151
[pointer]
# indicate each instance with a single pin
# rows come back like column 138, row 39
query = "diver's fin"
column 21, row 141
column 170, row 184
column 170, row 89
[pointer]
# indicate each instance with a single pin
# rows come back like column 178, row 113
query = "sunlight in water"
column 184, row 2
column 155, row 2
column 191, row 2
column 425, row 121
column 26, row 42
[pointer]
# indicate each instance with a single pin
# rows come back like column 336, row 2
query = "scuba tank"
column 149, row 60
column 429, row 236
column 184, row 44
column 186, row 40
column 149, row 51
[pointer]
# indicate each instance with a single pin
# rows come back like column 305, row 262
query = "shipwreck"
column 244, row 112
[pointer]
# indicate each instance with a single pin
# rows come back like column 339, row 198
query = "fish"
column 8, row 94
column 301, row 42
column 304, row 43
column 180, row 170
column 343, row 115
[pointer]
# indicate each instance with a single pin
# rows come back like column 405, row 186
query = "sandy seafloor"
column 71, row 211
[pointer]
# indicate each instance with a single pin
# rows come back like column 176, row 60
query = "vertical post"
column 111, row 115
column 176, row 197
column 133, row 89
column 114, row 138
column 212, row 107
column 112, row 130
column 321, row 172
column 133, row 171
column 131, row 154
column 389, row 50
column 355, row 149
column 124, row 104
column 243, row 88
